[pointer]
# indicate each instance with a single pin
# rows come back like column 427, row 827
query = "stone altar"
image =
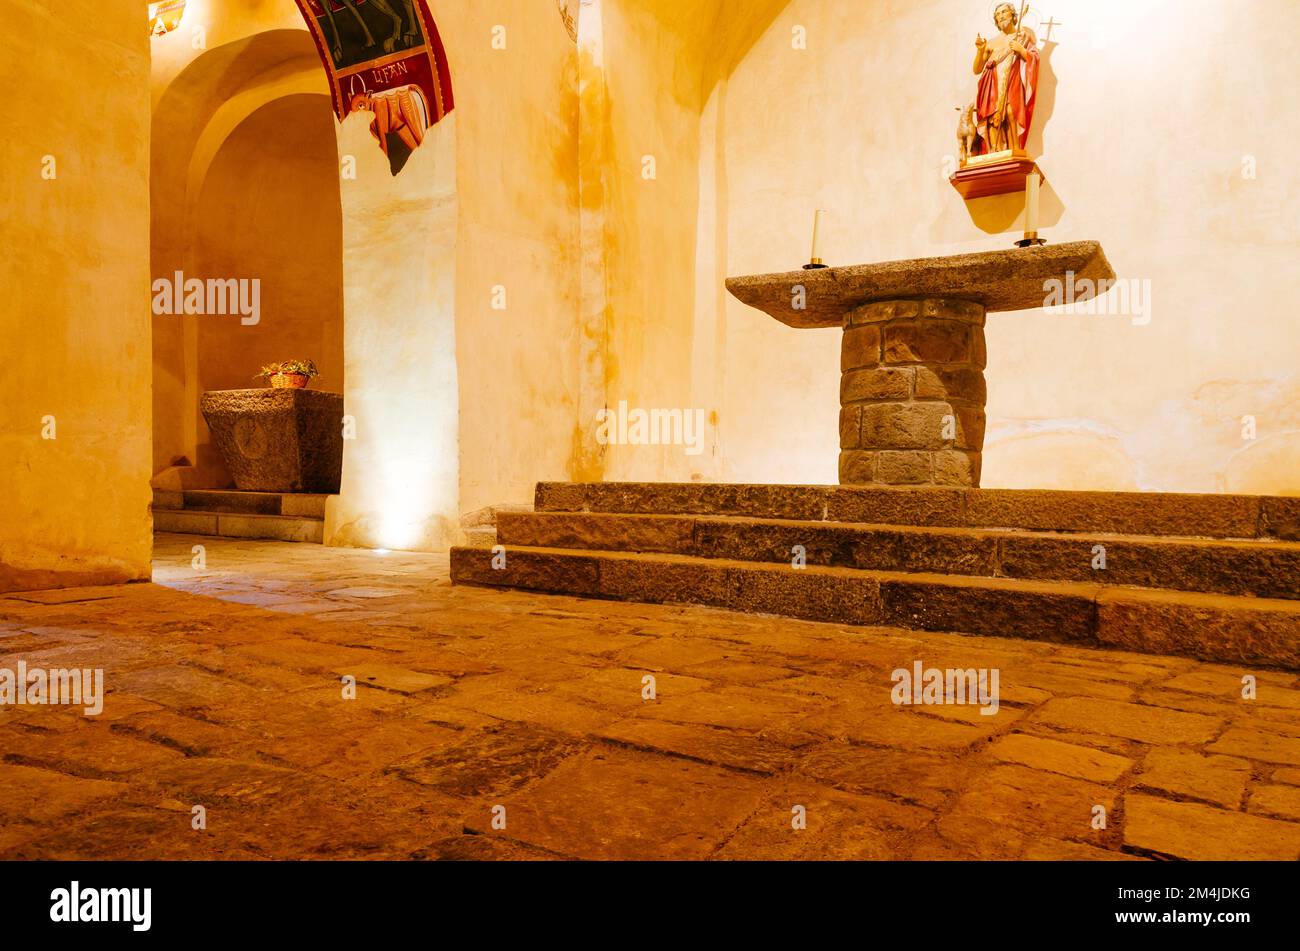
column 912, row 390
column 278, row 440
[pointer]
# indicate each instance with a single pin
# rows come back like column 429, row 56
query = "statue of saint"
column 1007, row 66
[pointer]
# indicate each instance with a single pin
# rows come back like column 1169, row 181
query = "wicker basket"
column 289, row 381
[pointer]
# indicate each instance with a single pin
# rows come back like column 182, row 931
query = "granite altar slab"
column 1000, row 280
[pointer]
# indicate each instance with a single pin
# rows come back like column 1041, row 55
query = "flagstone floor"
column 481, row 708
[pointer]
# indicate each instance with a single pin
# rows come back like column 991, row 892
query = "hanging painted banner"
column 384, row 57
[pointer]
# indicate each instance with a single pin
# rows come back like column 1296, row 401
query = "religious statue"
column 1007, row 66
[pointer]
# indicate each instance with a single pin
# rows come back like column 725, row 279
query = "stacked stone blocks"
column 912, row 393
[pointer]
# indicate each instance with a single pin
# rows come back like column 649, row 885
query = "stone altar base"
column 278, row 440
column 912, row 393
column 1215, row 577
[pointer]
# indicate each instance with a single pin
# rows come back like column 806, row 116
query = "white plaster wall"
column 400, row 473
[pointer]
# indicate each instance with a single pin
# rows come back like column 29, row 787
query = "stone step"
column 1136, row 513
column 297, row 504
column 1258, row 568
column 285, row 528
column 481, row 537
column 1208, row 627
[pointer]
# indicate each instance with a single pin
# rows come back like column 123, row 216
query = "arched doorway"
column 245, row 189
column 216, row 122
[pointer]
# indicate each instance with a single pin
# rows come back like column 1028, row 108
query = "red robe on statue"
column 1022, row 87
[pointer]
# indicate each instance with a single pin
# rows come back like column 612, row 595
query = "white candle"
column 817, row 230
column 1032, row 184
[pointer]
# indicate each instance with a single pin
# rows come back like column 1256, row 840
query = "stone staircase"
column 286, row 517
column 1214, row 577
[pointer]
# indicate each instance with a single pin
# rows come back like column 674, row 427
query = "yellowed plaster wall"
column 212, row 24
column 648, row 167
column 1155, row 108
column 75, row 314
column 516, row 121
column 653, row 68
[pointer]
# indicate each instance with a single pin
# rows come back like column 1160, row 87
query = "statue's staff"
column 1020, row 19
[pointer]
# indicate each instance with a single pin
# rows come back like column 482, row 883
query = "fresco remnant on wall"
column 569, row 14
column 384, row 57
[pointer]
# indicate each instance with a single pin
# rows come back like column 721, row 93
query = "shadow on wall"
column 1045, row 104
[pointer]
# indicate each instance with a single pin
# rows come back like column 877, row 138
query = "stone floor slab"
column 1188, row 830
column 219, row 697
